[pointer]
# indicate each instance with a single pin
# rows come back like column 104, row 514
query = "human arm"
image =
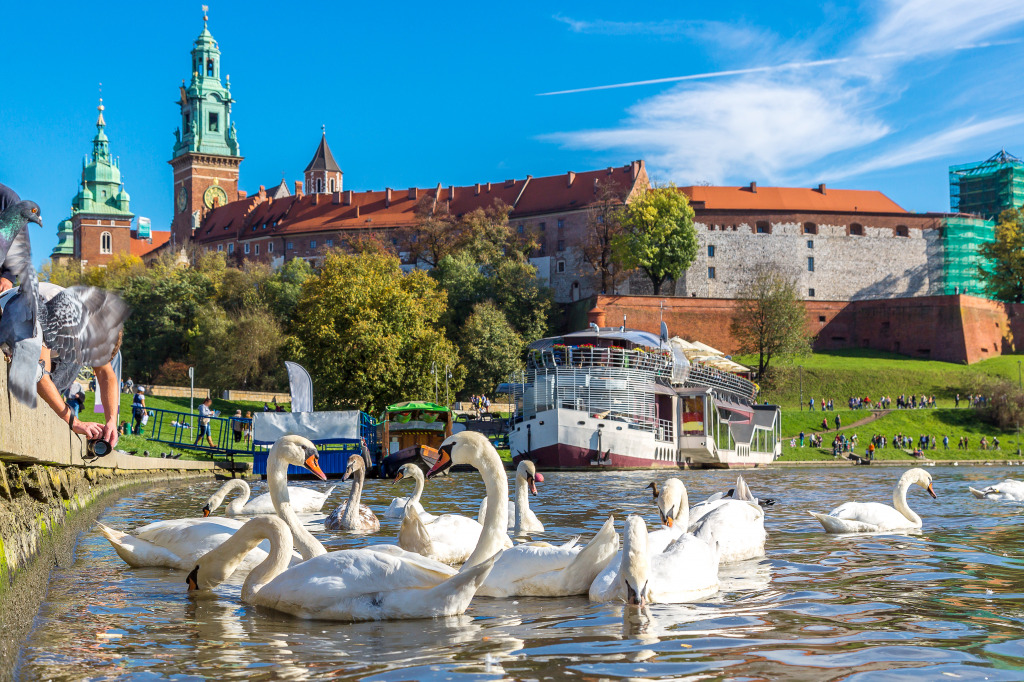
column 51, row 396
column 106, row 380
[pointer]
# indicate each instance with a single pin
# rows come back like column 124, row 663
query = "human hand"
column 110, row 433
column 5, row 284
column 91, row 430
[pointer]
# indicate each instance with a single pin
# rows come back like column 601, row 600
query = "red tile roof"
column 791, row 199
column 140, row 247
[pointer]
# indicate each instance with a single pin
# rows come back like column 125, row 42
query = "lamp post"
column 801, row 368
column 1020, row 386
column 191, row 393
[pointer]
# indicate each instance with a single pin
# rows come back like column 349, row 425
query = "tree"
column 658, row 235
column 369, row 334
column 491, row 349
column 604, row 226
column 238, row 349
column 1004, row 279
column 770, row 319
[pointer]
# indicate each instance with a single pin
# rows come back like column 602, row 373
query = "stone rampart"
column 257, row 396
column 178, row 392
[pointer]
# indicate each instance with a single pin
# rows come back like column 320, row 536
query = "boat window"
column 581, row 423
column 618, row 428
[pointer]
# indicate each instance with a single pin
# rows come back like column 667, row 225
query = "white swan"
column 350, row 515
column 685, row 571
column 304, row 500
column 534, row 569
column 449, row 538
column 735, row 525
column 348, row 585
column 177, row 543
column 1009, row 489
column 521, row 519
column 396, row 509
column 874, row 517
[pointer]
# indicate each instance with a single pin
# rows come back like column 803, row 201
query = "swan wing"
column 835, row 525
column 687, row 571
column 737, row 527
column 178, row 543
column 881, row 516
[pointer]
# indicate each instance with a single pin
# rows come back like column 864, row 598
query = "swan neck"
column 522, row 500
column 352, row 508
column 244, row 493
column 277, row 561
column 683, row 515
column 218, row 564
column 277, row 481
column 418, row 490
column 218, row 497
column 495, row 521
column 899, row 500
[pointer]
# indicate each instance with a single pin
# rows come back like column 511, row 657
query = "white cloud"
column 757, row 130
column 917, row 27
column 735, row 36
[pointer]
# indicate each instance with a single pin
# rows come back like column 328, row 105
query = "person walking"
column 945, row 442
column 839, row 422
column 138, row 409
column 237, row 426
column 205, row 414
column 801, row 439
column 810, row 404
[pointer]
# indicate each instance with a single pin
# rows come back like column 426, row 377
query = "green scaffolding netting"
column 987, row 188
column 962, row 237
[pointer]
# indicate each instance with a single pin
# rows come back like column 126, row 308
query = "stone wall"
column 178, row 392
column 257, row 396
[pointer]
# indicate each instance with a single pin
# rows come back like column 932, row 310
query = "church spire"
column 100, row 143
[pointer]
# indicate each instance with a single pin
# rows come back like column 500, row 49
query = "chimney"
column 357, row 211
column 477, row 192
column 821, row 188
column 263, row 192
column 242, row 194
column 509, row 183
column 571, row 176
column 336, row 198
column 488, row 188
column 635, row 168
column 387, row 197
column 347, row 197
column 413, row 193
column 753, row 187
column 316, row 199
column 298, row 188
column 610, row 169
column 596, row 316
column 596, row 183
column 451, row 192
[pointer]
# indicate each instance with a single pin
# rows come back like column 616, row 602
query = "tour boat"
column 411, row 432
column 627, row 399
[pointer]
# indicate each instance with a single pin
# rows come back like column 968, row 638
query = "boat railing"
column 584, row 357
column 702, row 375
column 665, row 431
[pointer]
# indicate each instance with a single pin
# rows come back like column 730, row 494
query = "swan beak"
column 668, row 521
column 313, row 464
column 632, row 597
column 206, row 511
column 193, row 580
column 533, row 484
column 398, row 478
column 444, row 461
column 931, row 491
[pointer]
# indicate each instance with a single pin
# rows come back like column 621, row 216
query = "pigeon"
column 13, row 220
column 20, row 331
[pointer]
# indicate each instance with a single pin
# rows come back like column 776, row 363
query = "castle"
column 840, row 245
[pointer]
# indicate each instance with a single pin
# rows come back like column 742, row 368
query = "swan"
column 347, row 585
column 449, row 538
column 304, row 500
column 685, row 571
column 740, row 492
column 350, row 515
column 397, row 508
column 521, row 518
column 177, row 543
column 530, row 569
column 1009, row 489
column 874, row 517
column 736, row 525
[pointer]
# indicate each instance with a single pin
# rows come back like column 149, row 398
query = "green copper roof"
column 416, row 405
column 65, row 240
column 101, row 191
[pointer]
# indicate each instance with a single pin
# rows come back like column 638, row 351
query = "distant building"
column 100, row 223
column 988, row 188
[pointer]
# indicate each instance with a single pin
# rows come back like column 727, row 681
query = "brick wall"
column 88, row 232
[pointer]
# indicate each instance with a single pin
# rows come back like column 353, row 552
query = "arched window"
column 209, row 67
column 856, row 229
column 902, row 231
column 332, row 185
column 810, row 228
column 231, row 248
column 106, row 243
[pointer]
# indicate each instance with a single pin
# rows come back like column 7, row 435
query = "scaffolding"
column 988, row 188
column 962, row 237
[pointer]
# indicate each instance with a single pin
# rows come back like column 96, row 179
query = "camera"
column 98, row 447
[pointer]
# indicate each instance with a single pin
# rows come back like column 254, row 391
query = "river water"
column 945, row 603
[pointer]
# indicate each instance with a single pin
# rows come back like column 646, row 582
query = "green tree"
column 1004, row 278
column 604, row 226
column 238, row 349
column 770, row 319
column 658, row 235
column 369, row 334
column 490, row 349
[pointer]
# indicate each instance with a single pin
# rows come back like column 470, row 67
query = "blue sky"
column 880, row 95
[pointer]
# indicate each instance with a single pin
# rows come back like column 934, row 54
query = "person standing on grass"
column 801, row 439
column 237, row 426
column 138, row 409
column 957, row 400
column 824, row 423
column 945, row 442
column 838, row 422
column 810, row 404
column 205, row 413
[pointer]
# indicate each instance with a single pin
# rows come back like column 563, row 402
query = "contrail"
column 760, row 69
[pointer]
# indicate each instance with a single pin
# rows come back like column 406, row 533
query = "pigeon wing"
column 20, row 330
column 62, row 324
column 104, row 313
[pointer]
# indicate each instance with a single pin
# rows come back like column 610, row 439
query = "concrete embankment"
column 49, row 492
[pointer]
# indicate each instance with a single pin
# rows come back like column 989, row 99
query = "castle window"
column 520, row 229
column 561, row 223
column 257, row 249
column 270, row 247
column 542, row 226
column 810, row 228
column 711, row 273
column 561, row 266
column 762, row 227
column 810, row 294
column 106, row 243
column 856, row 229
column 247, row 248
column 289, row 246
column 231, row 248
column 810, row 243
column 711, row 250
column 332, row 184
column 188, row 120
column 810, row 264
column 901, row 231
column 209, row 67
column 561, row 245
column 214, row 122
column 312, row 244
column 220, row 247
column 329, row 242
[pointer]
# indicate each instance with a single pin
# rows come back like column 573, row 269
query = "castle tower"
column 206, row 156
column 323, row 174
column 100, row 222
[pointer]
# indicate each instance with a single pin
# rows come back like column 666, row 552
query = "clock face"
column 215, row 196
column 182, row 198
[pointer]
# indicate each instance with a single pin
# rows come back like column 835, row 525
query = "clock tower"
column 206, row 156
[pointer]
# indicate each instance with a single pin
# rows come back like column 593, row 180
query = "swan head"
column 406, row 471
column 634, row 568
column 465, row 447
column 300, row 452
column 922, row 478
column 527, row 471
column 218, row 564
column 355, row 463
column 670, row 501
